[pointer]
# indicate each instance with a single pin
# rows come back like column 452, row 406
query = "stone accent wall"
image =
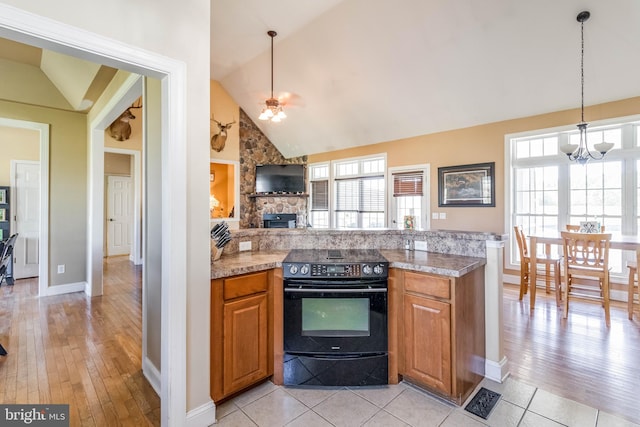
column 256, row 149
column 276, row 204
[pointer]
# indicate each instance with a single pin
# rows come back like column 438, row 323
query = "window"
column 348, row 193
column 408, row 197
column 319, row 195
column 359, row 193
column 547, row 192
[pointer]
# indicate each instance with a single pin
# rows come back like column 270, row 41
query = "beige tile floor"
column 521, row 405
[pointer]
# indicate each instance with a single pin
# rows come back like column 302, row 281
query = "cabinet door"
column 245, row 342
column 427, row 327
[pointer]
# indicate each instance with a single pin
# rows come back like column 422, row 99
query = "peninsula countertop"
column 426, row 262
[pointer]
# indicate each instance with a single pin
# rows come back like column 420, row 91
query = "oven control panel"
column 324, row 270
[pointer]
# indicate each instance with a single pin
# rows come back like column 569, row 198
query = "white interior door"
column 27, row 218
column 119, row 215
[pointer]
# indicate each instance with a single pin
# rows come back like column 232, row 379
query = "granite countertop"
column 433, row 262
column 426, row 262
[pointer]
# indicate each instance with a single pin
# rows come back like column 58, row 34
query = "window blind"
column 360, row 195
column 320, row 195
column 407, row 184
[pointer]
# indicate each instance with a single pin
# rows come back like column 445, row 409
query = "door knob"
column 111, row 219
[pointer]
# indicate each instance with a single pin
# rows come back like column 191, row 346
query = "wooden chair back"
column 522, row 243
column 586, row 250
column 586, row 256
column 573, row 227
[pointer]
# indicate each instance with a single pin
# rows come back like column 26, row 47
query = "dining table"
column 548, row 238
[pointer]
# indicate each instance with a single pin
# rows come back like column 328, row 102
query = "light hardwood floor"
column 86, row 352
column 579, row 357
column 78, row 350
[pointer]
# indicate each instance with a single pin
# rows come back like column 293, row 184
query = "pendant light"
column 580, row 153
column 272, row 110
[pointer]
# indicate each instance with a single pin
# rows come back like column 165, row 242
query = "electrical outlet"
column 245, row 246
column 420, row 245
column 434, row 215
column 443, row 215
column 61, row 268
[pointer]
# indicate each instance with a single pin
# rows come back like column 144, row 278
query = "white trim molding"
column 496, row 371
column 495, row 359
column 152, row 374
column 65, row 289
column 202, row 416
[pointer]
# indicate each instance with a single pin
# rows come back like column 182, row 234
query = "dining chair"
column 634, row 286
column 586, row 268
column 573, row 227
column 549, row 272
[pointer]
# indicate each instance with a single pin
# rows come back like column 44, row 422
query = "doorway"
column 119, row 223
column 16, row 24
column 25, row 199
column 41, row 140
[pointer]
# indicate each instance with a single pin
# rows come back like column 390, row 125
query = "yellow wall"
column 225, row 110
column 220, row 188
column 67, row 187
column 17, row 144
column 476, row 144
column 117, row 164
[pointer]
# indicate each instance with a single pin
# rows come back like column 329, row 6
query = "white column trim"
column 496, row 364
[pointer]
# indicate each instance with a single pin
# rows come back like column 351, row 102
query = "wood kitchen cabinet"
column 241, row 332
column 441, row 331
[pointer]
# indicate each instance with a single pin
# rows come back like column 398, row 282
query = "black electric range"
column 333, row 263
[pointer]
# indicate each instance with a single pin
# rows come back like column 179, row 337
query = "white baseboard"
column 66, row 289
column 614, row 294
column 202, row 416
column 152, row 374
column 496, row 371
column 511, row 279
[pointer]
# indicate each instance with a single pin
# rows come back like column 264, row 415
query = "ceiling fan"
column 273, row 106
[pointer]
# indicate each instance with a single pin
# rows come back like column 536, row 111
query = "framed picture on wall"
column 3, row 197
column 467, row 185
column 3, row 214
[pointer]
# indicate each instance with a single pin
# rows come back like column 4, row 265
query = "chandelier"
column 273, row 110
column 580, row 153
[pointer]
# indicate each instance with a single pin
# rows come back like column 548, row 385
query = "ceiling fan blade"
column 290, row 99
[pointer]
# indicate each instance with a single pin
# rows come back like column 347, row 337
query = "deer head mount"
column 219, row 139
column 120, row 129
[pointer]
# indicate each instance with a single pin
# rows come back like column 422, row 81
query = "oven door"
column 335, row 317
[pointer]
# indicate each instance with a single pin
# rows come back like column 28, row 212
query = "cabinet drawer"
column 428, row 285
column 248, row 284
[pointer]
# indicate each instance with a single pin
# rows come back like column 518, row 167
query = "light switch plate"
column 443, row 215
column 434, row 215
column 420, row 245
column 245, row 246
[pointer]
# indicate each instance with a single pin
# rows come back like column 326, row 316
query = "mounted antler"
column 219, row 139
column 120, row 129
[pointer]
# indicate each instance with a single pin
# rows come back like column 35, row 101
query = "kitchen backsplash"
column 440, row 241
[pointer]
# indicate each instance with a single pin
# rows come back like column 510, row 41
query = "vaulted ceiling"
column 41, row 77
column 358, row 72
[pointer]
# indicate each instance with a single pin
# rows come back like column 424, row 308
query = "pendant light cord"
column 581, row 70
